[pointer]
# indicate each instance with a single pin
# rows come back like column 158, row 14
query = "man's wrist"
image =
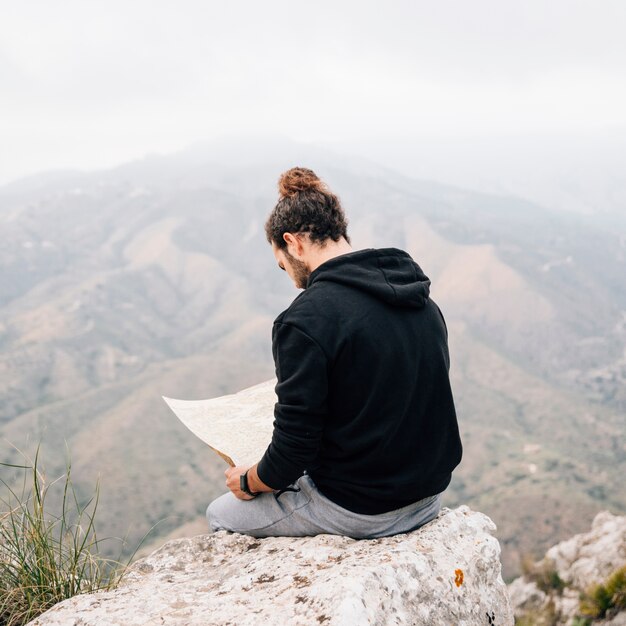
column 245, row 486
column 255, row 483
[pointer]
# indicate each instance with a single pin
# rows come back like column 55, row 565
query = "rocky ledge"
column 571, row 585
column 447, row 572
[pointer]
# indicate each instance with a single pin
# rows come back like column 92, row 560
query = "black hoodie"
column 364, row 399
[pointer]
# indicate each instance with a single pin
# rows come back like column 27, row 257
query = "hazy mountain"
column 568, row 171
column 155, row 279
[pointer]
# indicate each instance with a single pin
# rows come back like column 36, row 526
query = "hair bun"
column 298, row 179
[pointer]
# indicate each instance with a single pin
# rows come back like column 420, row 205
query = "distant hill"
column 155, row 278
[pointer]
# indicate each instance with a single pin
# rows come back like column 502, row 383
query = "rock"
column 447, row 572
column 580, row 562
column 591, row 557
column 618, row 620
column 525, row 595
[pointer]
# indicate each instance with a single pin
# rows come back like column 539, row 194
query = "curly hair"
column 306, row 205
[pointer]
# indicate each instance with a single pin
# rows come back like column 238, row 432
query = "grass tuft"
column 46, row 557
column 608, row 597
column 544, row 574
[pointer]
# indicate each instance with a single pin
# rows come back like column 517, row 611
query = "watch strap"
column 243, row 485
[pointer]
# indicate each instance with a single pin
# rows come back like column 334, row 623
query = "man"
column 365, row 431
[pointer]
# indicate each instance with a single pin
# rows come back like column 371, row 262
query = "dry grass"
column 46, row 557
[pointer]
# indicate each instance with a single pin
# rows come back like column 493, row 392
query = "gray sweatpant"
column 307, row 512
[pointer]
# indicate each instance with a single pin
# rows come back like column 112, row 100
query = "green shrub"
column 616, row 588
column 605, row 597
column 46, row 557
column 543, row 574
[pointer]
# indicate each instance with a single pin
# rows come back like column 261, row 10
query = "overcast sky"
column 93, row 84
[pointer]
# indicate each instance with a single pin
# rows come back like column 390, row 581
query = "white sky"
column 93, row 84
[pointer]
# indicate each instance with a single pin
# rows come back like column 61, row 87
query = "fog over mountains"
column 155, row 278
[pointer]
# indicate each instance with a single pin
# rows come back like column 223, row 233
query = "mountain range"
column 154, row 278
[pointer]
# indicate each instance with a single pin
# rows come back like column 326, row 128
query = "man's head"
column 306, row 219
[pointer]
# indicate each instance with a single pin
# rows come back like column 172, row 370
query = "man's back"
column 365, row 433
column 364, row 399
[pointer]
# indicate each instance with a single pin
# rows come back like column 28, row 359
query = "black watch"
column 243, row 485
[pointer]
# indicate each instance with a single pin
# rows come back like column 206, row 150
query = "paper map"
column 238, row 426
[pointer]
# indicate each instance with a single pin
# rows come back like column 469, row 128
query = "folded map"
column 238, row 426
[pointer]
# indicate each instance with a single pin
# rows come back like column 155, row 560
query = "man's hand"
column 232, row 481
column 255, row 484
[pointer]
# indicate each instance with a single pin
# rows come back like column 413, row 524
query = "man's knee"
column 215, row 513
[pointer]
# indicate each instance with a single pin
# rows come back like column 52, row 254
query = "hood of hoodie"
column 389, row 274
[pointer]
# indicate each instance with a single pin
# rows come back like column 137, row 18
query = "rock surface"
column 579, row 562
column 447, row 572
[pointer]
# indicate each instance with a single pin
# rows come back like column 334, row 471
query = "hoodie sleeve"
column 299, row 414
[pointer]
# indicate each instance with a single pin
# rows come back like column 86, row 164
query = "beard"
column 301, row 272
